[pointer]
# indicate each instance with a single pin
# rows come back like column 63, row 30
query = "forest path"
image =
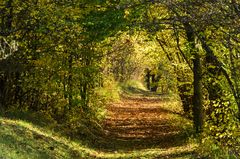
column 143, row 121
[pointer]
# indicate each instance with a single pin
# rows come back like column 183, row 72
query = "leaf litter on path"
column 144, row 123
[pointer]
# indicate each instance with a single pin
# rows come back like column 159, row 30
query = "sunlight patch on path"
column 147, row 127
column 181, row 152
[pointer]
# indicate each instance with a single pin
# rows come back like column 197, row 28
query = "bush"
column 221, row 137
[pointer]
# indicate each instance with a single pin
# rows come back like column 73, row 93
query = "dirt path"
column 141, row 122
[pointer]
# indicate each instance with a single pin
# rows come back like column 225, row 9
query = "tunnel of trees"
column 56, row 55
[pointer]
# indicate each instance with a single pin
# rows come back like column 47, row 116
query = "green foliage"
column 61, row 69
column 58, row 57
column 222, row 130
column 208, row 148
column 109, row 92
column 107, row 22
column 121, row 63
column 132, row 86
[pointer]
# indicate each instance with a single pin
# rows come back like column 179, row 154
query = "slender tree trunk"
column 70, row 81
column 183, row 89
column 2, row 92
column 84, row 96
column 10, row 15
column 154, row 83
column 197, row 96
column 234, row 76
column 198, row 115
column 148, row 78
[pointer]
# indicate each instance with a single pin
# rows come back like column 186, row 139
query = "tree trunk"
column 70, row 81
column 197, row 96
column 148, row 78
column 198, row 116
column 154, row 83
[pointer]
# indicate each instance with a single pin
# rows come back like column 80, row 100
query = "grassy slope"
column 20, row 139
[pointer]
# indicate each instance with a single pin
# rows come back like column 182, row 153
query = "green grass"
column 22, row 140
column 26, row 135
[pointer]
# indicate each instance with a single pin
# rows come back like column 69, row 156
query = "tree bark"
column 198, row 115
column 148, row 78
column 197, row 96
column 70, row 81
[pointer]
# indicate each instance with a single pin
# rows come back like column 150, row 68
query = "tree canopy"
column 56, row 55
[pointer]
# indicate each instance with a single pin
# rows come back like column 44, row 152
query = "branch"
column 221, row 66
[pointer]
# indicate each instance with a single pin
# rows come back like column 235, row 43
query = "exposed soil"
column 141, row 122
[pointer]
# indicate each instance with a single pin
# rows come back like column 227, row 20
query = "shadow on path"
column 140, row 122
